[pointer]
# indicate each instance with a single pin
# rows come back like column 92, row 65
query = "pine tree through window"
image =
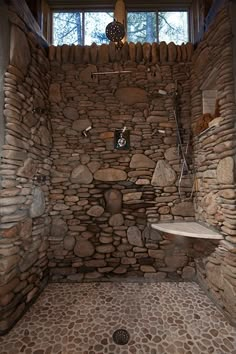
column 86, row 27
column 82, row 28
column 169, row 26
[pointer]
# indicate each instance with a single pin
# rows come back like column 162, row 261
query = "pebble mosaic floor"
column 161, row 318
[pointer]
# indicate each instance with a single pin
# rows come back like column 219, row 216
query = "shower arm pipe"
column 176, row 115
column 182, row 152
column 181, row 176
column 180, row 143
column 192, row 190
column 112, row 72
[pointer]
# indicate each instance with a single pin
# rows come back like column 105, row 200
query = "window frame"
column 168, row 6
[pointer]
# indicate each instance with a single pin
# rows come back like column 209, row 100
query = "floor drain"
column 121, row 336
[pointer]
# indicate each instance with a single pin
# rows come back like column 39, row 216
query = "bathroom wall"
column 25, row 166
column 75, row 206
column 214, row 159
column 102, row 200
column 4, row 39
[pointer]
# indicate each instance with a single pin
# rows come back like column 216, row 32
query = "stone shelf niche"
column 209, row 93
column 188, row 229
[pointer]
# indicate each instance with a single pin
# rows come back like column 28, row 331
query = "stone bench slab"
column 188, row 229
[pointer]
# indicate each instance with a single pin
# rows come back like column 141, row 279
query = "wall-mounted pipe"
column 111, row 72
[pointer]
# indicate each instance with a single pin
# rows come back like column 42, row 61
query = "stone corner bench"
column 188, row 229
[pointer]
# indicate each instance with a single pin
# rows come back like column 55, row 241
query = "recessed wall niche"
column 210, row 105
column 209, row 95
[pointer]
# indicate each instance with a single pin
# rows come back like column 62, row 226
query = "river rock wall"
column 214, row 159
column 25, row 166
column 75, row 206
column 102, row 199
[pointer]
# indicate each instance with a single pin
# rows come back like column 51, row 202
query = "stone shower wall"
column 214, row 160
column 4, row 59
column 25, row 166
column 102, row 200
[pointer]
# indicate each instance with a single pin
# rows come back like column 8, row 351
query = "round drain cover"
column 121, row 336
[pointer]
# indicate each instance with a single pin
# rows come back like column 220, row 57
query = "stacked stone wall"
column 102, row 200
column 25, row 165
column 214, row 159
column 74, row 205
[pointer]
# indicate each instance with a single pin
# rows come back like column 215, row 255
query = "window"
column 80, row 27
column 141, row 27
column 173, row 26
column 168, row 26
column 87, row 27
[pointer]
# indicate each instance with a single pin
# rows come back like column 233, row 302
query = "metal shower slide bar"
column 111, row 72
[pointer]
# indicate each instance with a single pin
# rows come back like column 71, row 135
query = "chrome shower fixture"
column 116, row 72
column 121, row 142
column 122, row 139
column 85, row 131
column 115, row 32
